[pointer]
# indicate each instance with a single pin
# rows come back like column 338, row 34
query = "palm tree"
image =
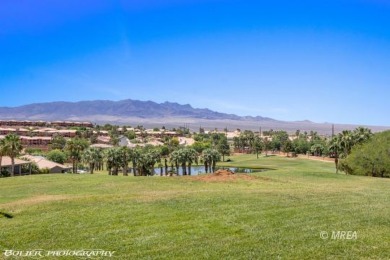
column 92, row 156
column 75, row 147
column 164, row 153
column 126, row 155
column 174, row 158
column 147, row 160
column 210, row 158
column 183, row 160
column 192, row 157
column 346, row 142
column 361, row 134
column 153, row 157
column 2, row 151
column 335, row 149
column 135, row 156
column 114, row 160
column 216, row 157
column 12, row 147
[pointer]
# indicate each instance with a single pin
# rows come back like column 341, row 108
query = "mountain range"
column 152, row 114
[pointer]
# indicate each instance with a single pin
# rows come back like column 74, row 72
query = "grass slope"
column 277, row 214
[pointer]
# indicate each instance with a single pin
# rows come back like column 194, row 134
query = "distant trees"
column 301, row 143
column 244, row 142
column 199, row 146
column 257, row 145
column 223, row 147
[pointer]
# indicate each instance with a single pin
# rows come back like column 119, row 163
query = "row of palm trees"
column 10, row 146
column 144, row 160
column 341, row 144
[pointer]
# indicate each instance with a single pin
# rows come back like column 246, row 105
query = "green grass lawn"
column 277, row 214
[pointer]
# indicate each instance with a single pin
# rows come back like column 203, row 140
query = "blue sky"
column 326, row 61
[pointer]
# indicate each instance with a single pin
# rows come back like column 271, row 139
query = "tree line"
column 140, row 161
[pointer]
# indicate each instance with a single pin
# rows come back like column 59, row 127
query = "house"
column 6, row 164
column 44, row 163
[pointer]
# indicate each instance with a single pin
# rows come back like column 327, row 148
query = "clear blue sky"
column 326, row 61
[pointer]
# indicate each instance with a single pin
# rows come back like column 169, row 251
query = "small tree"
column 257, row 146
column 58, row 142
column 223, row 147
column 57, row 156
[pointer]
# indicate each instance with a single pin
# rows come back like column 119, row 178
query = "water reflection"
column 196, row 170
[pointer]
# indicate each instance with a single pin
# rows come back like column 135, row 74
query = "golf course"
column 297, row 209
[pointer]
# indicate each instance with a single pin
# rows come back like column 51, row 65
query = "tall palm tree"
column 336, row 149
column 12, row 148
column 135, row 157
column 126, row 155
column 147, row 160
column 361, row 134
column 114, row 160
column 92, row 156
column 75, row 147
column 183, row 160
column 154, row 157
column 164, row 153
column 192, row 157
column 175, row 160
column 2, row 152
column 346, row 142
column 210, row 158
column 216, row 157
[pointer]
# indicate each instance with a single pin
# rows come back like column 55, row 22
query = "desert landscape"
column 208, row 129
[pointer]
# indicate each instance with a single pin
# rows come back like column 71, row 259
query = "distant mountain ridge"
column 152, row 114
column 123, row 108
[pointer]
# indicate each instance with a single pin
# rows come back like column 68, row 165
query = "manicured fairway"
column 278, row 214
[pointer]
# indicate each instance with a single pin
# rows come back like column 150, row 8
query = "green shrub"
column 44, row 171
column 371, row 158
column 4, row 173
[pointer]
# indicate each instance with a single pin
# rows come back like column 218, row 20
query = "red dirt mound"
column 222, row 172
column 223, row 175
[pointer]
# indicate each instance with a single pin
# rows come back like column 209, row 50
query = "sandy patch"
column 225, row 178
column 35, row 200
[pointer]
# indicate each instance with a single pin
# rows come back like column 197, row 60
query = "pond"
column 196, row 170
